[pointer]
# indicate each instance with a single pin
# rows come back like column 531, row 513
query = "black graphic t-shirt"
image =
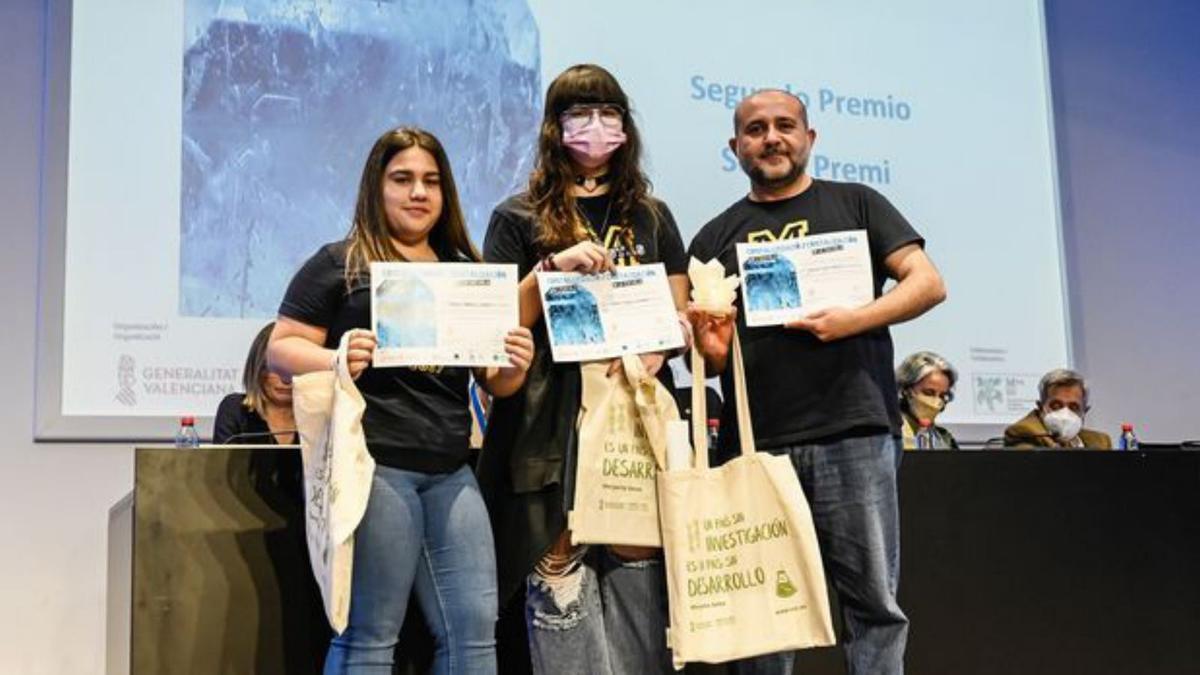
column 801, row 389
column 535, row 424
column 639, row 242
column 417, row 418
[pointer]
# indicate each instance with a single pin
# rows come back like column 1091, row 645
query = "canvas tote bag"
column 744, row 574
column 622, row 447
column 337, row 477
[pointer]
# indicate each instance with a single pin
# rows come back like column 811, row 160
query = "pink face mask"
column 592, row 134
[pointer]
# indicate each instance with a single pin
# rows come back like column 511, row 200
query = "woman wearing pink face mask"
column 587, row 208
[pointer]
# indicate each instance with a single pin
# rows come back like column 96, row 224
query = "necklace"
column 591, row 183
column 592, row 231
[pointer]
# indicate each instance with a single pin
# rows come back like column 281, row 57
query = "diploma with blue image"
column 442, row 314
column 600, row 316
column 789, row 279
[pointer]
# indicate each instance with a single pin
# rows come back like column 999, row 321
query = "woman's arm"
column 297, row 348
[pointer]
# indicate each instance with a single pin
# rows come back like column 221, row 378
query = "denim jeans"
column 428, row 532
column 609, row 617
column 851, row 488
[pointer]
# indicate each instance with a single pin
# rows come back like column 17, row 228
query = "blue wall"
column 1126, row 79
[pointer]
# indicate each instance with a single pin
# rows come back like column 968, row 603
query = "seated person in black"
column 263, row 414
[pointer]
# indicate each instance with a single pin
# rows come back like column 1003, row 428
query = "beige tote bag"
column 744, row 574
column 622, row 447
column 337, row 477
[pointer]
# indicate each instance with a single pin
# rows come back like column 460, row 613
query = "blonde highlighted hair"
column 255, row 372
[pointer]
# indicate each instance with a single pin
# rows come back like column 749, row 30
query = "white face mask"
column 1063, row 423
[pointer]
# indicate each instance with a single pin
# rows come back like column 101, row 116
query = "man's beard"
column 759, row 177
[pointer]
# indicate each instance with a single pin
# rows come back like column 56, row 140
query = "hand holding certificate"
column 442, row 314
column 783, row 281
column 600, row 316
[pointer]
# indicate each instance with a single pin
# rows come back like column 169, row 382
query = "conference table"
column 1012, row 562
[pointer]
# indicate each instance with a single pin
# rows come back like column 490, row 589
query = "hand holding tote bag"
column 744, row 574
column 622, row 447
column 337, row 477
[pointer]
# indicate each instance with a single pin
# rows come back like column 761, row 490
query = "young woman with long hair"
column 425, row 527
column 587, row 208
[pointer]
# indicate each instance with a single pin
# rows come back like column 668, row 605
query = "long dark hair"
column 559, row 223
column 369, row 237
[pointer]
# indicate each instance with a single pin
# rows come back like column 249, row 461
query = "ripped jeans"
column 606, row 616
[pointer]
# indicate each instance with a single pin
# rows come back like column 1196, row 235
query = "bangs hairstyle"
column 370, row 237
column 559, row 222
column 255, row 371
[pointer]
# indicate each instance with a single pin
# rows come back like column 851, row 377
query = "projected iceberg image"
column 770, row 283
column 282, row 101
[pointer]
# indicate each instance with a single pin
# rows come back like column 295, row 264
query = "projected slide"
column 218, row 144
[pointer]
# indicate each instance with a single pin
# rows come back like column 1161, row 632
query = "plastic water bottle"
column 1127, row 441
column 187, row 437
column 714, row 432
column 923, row 439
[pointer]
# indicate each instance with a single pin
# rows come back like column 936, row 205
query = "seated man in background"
column 1057, row 422
column 925, row 382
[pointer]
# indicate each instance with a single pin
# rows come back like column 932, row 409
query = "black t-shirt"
column 417, row 418
column 530, row 434
column 235, row 419
column 540, row 417
column 802, row 389
column 512, row 237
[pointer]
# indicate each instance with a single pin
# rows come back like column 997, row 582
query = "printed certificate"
column 442, row 314
column 789, row 279
column 600, row 316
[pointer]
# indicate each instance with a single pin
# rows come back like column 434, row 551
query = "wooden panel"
column 221, row 576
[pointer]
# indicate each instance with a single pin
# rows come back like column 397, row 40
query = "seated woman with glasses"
column 926, row 384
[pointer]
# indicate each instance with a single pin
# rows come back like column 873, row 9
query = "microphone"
column 998, row 441
column 257, row 434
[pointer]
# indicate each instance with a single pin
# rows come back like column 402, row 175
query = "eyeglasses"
column 946, row 397
column 580, row 115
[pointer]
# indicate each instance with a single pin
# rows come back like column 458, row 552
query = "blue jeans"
column 608, row 618
column 428, row 532
column 851, row 488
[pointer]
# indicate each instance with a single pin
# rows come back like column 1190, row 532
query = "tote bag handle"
column 700, row 405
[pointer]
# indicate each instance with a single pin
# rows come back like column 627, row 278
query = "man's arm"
column 919, row 287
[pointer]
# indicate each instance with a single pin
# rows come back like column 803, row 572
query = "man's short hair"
column 737, row 122
column 1061, row 377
